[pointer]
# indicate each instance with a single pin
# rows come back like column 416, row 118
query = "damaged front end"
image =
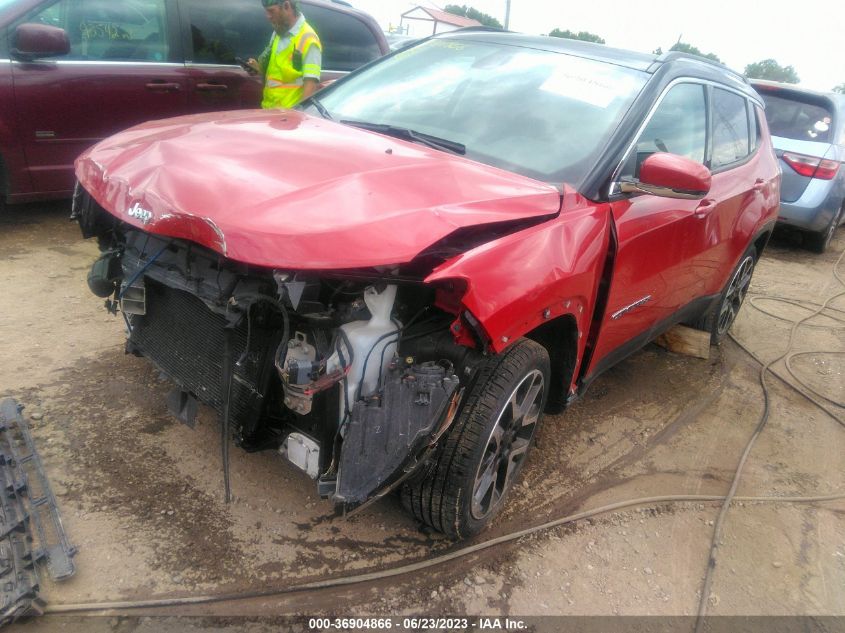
column 352, row 375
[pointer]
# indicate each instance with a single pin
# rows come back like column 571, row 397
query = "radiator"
column 185, row 340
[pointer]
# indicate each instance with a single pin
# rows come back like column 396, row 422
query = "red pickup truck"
column 391, row 284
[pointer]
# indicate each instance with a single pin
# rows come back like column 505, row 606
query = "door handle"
column 704, row 207
column 212, row 87
column 163, row 86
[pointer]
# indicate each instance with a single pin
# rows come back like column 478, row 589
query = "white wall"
column 421, row 24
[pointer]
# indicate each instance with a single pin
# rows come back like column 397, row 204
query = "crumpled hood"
column 285, row 189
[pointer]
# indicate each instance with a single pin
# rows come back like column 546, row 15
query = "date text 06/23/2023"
column 416, row 624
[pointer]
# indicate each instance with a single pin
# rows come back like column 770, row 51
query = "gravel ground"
column 142, row 494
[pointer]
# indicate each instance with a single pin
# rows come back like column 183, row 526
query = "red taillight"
column 810, row 166
column 826, row 170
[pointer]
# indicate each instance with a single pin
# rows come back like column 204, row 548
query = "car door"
column 122, row 69
column 737, row 197
column 653, row 276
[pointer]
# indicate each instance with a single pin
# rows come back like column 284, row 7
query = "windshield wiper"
column 320, row 108
column 410, row 135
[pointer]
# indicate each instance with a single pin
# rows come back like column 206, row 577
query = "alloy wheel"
column 735, row 294
column 508, row 443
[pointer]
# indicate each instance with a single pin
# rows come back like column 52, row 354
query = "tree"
column 693, row 50
column 586, row 36
column 474, row 14
column 770, row 69
column 840, row 89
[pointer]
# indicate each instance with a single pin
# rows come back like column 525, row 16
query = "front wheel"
column 720, row 319
column 487, row 446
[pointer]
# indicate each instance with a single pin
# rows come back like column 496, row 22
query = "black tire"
column 720, row 318
column 488, row 434
column 818, row 242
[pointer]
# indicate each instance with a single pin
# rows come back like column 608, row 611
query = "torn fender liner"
column 384, row 434
column 26, row 501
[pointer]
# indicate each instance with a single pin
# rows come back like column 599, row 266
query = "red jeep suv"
column 391, row 284
column 72, row 72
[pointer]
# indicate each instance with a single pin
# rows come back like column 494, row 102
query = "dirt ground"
column 141, row 494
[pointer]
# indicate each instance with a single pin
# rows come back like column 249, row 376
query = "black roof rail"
column 681, row 55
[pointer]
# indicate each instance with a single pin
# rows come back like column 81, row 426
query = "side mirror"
column 670, row 176
column 34, row 41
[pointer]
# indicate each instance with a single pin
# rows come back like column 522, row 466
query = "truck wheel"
column 720, row 319
column 485, row 450
column 818, row 242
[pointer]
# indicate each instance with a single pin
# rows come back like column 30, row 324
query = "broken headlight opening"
column 350, row 375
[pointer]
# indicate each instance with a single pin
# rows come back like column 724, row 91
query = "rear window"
column 347, row 42
column 798, row 120
column 224, row 30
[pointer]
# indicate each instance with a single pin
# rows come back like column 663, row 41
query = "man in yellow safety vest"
column 291, row 63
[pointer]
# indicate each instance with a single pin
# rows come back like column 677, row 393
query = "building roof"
column 446, row 17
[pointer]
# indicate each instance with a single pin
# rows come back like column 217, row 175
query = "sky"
column 807, row 37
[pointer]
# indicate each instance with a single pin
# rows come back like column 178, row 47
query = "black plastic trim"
column 689, row 312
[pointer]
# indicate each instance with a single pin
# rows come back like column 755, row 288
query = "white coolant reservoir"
column 371, row 338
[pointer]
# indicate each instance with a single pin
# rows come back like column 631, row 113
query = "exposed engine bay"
column 353, row 376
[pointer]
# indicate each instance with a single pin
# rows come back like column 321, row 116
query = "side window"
column 730, row 128
column 678, row 126
column 105, row 30
column 226, row 29
column 754, row 134
column 347, row 42
column 54, row 15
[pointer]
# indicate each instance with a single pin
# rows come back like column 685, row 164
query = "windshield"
column 542, row 114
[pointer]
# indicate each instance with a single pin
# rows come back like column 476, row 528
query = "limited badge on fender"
column 140, row 213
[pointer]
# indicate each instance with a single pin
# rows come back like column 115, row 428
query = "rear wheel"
column 818, row 242
column 485, row 450
column 720, row 319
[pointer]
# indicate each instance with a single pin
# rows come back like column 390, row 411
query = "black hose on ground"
column 418, row 566
column 764, row 418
